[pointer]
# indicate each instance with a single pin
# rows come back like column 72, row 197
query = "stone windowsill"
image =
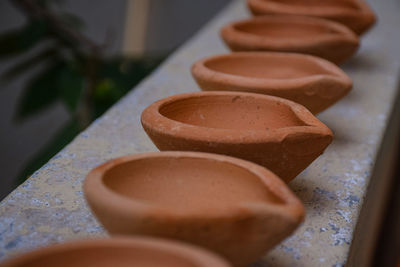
column 49, row 206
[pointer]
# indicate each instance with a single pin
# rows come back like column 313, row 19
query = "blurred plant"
column 75, row 71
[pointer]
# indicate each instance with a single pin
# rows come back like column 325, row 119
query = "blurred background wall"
column 131, row 26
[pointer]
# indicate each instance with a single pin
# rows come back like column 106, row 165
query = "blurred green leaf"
column 107, row 89
column 21, row 40
column 117, row 77
column 105, row 94
column 40, row 92
column 128, row 72
column 30, row 62
column 70, row 87
column 64, row 136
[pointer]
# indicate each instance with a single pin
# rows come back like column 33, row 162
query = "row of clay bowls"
column 249, row 109
column 257, row 107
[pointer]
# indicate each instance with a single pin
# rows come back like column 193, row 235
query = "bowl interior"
column 107, row 256
column 234, row 112
column 343, row 4
column 187, row 185
column 285, row 30
column 266, row 67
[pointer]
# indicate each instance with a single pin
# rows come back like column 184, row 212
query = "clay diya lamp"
column 355, row 14
column 121, row 252
column 282, row 33
column 311, row 81
column 231, row 206
column 274, row 132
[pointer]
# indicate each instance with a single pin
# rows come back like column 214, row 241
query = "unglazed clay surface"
column 50, row 206
column 284, row 33
column 121, row 252
column 266, row 65
column 307, row 80
column 355, row 14
column 188, row 185
column 273, row 132
column 231, row 112
column 233, row 207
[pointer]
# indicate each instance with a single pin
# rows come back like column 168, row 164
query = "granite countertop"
column 49, row 207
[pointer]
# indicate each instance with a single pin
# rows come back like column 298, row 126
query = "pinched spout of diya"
column 271, row 220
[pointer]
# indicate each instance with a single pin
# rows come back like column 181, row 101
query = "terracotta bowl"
column 274, row 132
column 313, row 82
column 121, row 252
column 355, row 14
column 301, row 34
column 233, row 207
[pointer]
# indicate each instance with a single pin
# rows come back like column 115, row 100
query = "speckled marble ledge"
column 49, row 207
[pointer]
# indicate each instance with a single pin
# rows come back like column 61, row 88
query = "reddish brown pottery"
column 276, row 133
column 121, row 252
column 231, row 206
column 282, row 33
column 355, row 14
column 311, row 81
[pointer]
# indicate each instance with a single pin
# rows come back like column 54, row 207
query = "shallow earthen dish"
column 118, row 252
column 355, row 14
column 311, row 81
column 274, row 132
column 282, row 33
column 231, row 206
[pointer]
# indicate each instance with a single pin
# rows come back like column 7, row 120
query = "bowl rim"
column 193, row 253
column 362, row 9
column 343, row 33
column 201, row 71
column 153, row 121
column 97, row 192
